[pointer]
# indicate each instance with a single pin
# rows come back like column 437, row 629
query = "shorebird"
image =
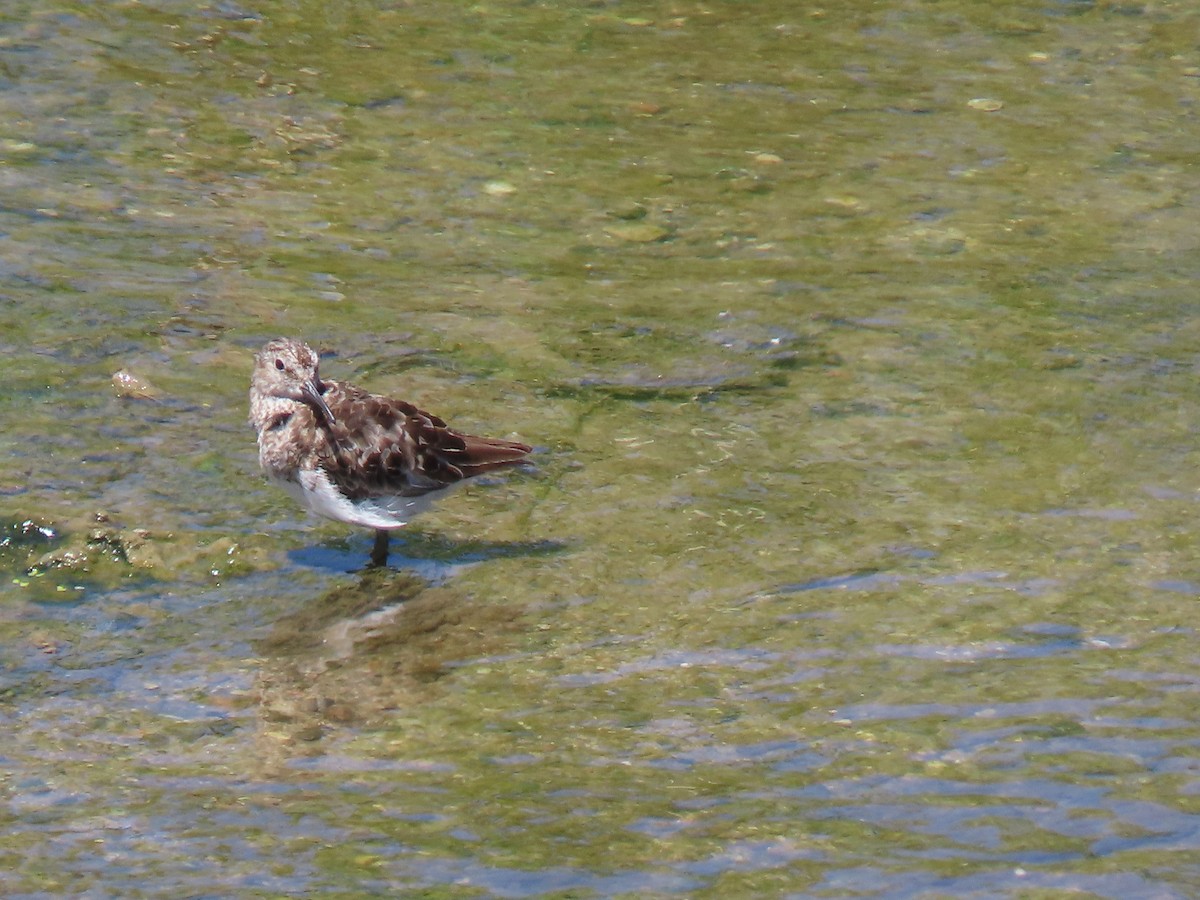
column 358, row 457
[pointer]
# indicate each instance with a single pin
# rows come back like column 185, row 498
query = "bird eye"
column 279, row 364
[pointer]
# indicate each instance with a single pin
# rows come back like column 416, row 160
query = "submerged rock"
column 638, row 232
column 128, row 385
column 28, row 532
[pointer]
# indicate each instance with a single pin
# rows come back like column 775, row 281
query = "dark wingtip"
column 484, row 454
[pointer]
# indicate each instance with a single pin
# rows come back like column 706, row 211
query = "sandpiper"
column 354, row 456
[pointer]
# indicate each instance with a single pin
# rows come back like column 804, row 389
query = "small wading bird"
column 353, row 456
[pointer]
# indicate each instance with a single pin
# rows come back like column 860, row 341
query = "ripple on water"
column 746, row 659
column 1010, row 881
column 499, row 881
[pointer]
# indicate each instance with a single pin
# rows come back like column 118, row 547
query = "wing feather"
column 379, row 446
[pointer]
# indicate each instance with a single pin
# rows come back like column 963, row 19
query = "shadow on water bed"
column 430, row 556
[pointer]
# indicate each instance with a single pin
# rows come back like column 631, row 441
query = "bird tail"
column 479, row 455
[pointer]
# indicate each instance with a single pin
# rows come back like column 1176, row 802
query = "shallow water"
column 860, row 350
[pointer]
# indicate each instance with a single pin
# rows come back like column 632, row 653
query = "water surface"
column 859, row 345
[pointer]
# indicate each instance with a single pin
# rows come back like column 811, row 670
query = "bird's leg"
column 379, row 553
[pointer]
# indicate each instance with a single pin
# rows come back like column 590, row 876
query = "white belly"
column 315, row 491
